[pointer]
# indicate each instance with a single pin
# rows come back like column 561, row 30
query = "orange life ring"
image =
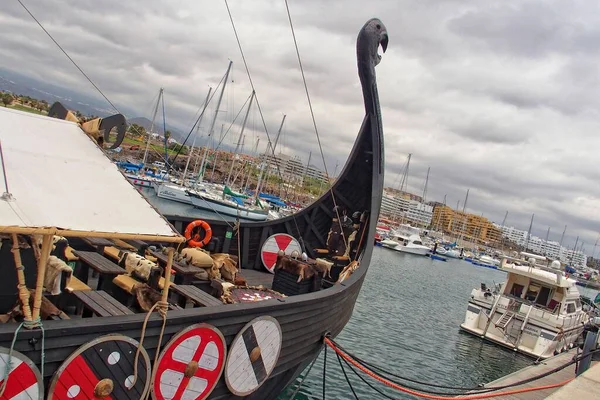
column 194, row 238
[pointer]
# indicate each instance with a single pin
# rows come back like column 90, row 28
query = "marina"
column 405, row 294
column 218, row 273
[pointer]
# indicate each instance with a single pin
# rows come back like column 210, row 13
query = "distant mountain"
column 146, row 123
column 22, row 85
column 158, row 127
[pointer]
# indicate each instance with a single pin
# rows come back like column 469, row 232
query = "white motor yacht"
column 414, row 245
column 537, row 311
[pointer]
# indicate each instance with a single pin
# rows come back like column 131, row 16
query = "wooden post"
column 42, row 262
column 165, row 293
column 23, row 292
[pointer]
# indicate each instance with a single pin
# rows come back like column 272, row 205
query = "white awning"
column 59, row 178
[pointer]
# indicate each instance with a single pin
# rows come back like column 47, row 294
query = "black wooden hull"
column 303, row 319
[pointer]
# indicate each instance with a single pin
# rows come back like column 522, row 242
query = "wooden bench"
column 184, row 274
column 98, row 243
column 124, row 245
column 75, row 284
column 106, row 269
column 196, row 295
column 100, row 303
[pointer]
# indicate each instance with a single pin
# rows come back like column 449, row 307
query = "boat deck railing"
column 539, row 312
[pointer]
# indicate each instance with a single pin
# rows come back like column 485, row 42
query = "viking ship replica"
column 104, row 298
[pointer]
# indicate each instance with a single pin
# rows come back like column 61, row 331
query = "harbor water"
column 407, row 320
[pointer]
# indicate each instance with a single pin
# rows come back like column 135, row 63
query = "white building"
column 548, row 248
column 513, row 234
column 292, row 169
column 574, row 258
column 412, row 211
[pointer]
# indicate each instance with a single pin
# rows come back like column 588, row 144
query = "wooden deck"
column 533, row 370
column 256, row 278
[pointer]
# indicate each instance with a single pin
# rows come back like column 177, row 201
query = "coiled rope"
column 27, row 325
column 162, row 307
column 420, row 393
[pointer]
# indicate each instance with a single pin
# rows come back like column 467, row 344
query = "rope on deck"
column 384, row 377
column 37, row 323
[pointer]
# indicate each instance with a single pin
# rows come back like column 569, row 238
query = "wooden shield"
column 98, row 364
column 24, row 378
column 190, row 365
column 253, row 355
column 274, row 243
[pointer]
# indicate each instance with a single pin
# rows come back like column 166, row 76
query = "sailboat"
column 179, row 193
column 109, row 355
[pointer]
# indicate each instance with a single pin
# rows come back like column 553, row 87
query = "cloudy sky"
column 499, row 97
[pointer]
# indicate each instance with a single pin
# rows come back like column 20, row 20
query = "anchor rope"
column 346, row 376
column 314, row 121
column 304, row 377
column 420, row 393
column 27, row 325
column 480, row 388
column 324, row 369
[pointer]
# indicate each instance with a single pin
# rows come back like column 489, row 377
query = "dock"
column 534, row 370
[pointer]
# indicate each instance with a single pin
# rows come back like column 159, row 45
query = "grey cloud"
column 497, row 97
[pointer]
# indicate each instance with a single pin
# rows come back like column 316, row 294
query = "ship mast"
column 187, row 164
column 212, row 124
column 237, row 146
column 160, row 92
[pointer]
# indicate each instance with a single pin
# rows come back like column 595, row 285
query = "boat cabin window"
column 516, row 290
column 571, row 308
column 532, row 292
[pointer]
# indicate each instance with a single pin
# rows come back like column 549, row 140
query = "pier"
column 535, row 370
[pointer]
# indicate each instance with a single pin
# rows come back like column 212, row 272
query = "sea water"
column 407, row 320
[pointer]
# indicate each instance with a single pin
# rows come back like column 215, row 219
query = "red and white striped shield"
column 24, row 378
column 190, row 365
column 279, row 241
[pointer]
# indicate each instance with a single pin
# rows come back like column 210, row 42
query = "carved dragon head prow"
column 372, row 35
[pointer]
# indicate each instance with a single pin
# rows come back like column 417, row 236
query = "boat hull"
column 417, row 251
column 532, row 337
column 208, row 204
column 138, row 181
column 173, row 193
column 304, row 320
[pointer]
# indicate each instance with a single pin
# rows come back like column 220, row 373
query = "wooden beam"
column 81, row 234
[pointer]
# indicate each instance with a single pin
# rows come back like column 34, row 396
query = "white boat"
column 488, row 261
column 452, row 253
column 414, row 245
column 441, row 250
column 143, row 180
column 173, row 192
column 537, row 311
column 213, row 202
column 389, row 243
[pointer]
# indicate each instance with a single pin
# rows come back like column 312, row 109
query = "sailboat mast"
column 464, row 216
column 426, row 182
column 212, row 174
column 268, row 163
column 306, row 169
column 237, row 146
column 212, row 124
column 160, row 92
column 529, row 232
column 187, row 164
